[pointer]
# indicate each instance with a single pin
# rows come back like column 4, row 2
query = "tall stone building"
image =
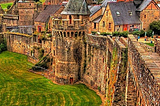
column 69, row 32
column 26, row 16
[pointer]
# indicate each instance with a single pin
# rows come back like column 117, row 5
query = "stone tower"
column 26, row 16
column 69, row 33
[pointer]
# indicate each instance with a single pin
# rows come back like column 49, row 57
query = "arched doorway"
column 71, row 80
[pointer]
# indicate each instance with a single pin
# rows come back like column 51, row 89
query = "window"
column 144, row 16
column 70, row 19
column 109, row 25
column 130, row 12
column 94, row 25
column 118, row 13
column 103, row 23
column 106, row 13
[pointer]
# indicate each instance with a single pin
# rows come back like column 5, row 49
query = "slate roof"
column 94, row 9
column 76, row 7
column 124, row 17
column 98, row 19
column 143, row 5
column 104, row 3
column 45, row 14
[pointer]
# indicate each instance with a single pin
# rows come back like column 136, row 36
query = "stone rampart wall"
column 145, row 68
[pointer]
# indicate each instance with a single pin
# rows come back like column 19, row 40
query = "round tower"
column 69, row 31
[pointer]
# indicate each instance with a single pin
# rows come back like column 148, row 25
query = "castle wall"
column 144, row 67
column 96, row 62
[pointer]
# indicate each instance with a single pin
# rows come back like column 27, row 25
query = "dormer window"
column 118, row 13
column 130, row 13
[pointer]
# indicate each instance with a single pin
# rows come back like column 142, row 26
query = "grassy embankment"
column 5, row 5
column 20, row 87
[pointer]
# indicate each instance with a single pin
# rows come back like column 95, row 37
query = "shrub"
column 94, row 32
column 105, row 33
column 142, row 33
column 49, row 35
column 124, row 34
column 149, row 33
column 3, row 46
column 136, row 33
column 115, row 33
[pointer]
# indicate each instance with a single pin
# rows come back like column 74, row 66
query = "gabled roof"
column 98, row 19
column 104, row 3
column 45, row 14
column 143, row 5
column 94, row 9
column 120, row 13
column 76, row 7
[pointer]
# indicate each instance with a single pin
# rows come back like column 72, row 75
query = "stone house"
column 120, row 16
column 42, row 20
column 148, row 12
column 96, row 15
column 116, row 16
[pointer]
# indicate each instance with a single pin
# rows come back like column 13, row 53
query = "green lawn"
column 150, row 44
column 4, row 6
column 20, row 87
column 42, row 1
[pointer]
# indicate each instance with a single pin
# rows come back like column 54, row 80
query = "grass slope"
column 4, row 5
column 20, row 87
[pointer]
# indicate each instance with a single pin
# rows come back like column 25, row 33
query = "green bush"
column 136, row 33
column 149, row 33
column 49, row 35
column 94, row 32
column 124, row 34
column 3, row 46
column 142, row 33
column 105, row 33
column 115, row 33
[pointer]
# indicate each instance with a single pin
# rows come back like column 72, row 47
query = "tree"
column 155, row 26
column 149, row 33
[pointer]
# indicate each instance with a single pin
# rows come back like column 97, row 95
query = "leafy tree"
column 8, row 7
column 149, row 33
column 142, row 33
column 155, row 26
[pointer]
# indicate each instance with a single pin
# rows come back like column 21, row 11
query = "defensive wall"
column 123, row 71
column 144, row 68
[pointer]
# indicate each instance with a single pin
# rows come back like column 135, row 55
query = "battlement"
column 64, row 24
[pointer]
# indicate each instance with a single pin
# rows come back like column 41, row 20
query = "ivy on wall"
column 112, row 78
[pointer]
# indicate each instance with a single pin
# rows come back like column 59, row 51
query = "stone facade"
column 149, row 14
